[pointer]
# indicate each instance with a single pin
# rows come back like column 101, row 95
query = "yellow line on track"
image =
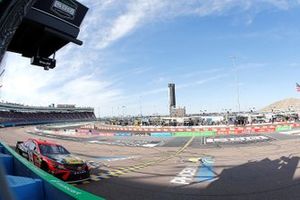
column 124, row 170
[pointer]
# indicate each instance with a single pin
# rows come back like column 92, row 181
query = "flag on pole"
column 297, row 87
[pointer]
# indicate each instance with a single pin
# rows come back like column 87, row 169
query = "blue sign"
column 123, row 134
column 162, row 134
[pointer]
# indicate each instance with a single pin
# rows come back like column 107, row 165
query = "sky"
column 214, row 51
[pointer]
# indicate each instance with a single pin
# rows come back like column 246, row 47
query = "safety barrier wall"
column 108, row 131
column 53, row 188
column 206, row 131
column 218, row 129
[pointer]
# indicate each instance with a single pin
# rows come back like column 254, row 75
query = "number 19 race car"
column 54, row 159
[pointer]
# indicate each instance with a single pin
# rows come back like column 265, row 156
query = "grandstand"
column 16, row 114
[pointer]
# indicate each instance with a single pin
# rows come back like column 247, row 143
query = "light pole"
column 99, row 113
column 141, row 110
column 227, row 115
column 123, row 111
column 237, row 82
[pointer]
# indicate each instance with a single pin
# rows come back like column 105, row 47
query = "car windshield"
column 52, row 149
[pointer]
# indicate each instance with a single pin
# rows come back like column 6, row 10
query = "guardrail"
column 53, row 188
column 24, row 123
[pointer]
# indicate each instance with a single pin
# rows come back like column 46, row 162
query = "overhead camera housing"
column 46, row 63
column 47, row 27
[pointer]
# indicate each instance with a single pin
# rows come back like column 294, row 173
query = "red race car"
column 54, row 159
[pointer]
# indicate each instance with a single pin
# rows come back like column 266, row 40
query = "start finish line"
column 237, row 139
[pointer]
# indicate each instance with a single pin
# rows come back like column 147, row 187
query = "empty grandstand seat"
column 7, row 162
column 25, row 188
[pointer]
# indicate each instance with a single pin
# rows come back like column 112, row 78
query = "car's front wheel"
column 18, row 150
column 45, row 167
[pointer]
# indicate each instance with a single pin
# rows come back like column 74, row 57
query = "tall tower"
column 172, row 97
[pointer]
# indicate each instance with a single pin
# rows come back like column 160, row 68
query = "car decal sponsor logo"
column 73, row 161
column 80, row 172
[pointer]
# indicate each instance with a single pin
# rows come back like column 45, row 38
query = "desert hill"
column 283, row 105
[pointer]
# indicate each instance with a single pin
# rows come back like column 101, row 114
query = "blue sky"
column 134, row 48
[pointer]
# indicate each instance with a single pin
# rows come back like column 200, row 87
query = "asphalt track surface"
column 185, row 168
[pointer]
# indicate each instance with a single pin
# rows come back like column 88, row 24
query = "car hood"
column 65, row 158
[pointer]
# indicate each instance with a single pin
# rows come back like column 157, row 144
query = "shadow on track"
column 264, row 179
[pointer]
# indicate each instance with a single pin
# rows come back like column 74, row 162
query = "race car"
column 54, row 158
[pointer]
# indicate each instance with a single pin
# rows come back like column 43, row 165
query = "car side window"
column 32, row 146
column 26, row 144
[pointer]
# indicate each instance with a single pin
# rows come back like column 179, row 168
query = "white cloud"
column 117, row 19
column 32, row 85
column 79, row 76
column 135, row 14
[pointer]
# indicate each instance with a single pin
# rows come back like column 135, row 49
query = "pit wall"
column 218, row 130
column 51, row 187
column 171, row 131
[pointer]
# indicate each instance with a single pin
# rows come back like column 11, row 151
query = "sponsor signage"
column 69, row 10
column 106, row 134
column 43, row 62
column 283, row 128
column 64, row 8
column 237, row 139
column 196, row 134
column 161, row 134
column 123, row 134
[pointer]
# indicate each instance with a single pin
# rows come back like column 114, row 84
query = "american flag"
column 297, row 87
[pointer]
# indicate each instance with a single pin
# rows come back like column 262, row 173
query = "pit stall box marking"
column 203, row 172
